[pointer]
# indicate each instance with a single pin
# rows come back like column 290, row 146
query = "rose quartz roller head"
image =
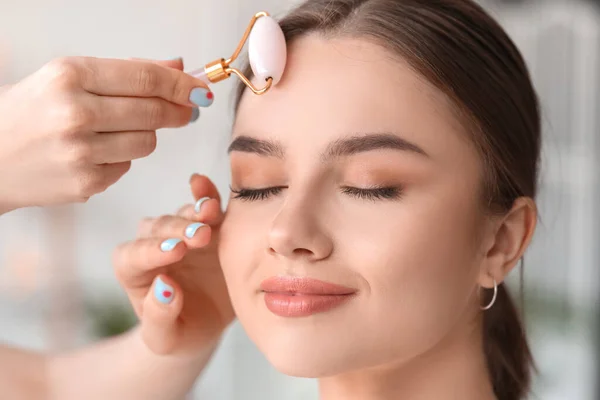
column 266, row 52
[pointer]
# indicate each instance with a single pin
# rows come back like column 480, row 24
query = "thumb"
column 161, row 309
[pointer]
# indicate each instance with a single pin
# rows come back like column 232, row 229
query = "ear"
column 510, row 238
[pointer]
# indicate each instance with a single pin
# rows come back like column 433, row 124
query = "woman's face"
column 353, row 171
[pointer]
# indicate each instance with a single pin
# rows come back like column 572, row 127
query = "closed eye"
column 377, row 193
column 256, row 194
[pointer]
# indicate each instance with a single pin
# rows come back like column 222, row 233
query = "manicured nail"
column 169, row 244
column 190, row 231
column 163, row 292
column 199, row 204
column 201, row 97
column 195, row 115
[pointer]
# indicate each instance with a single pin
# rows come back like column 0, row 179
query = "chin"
column 305, row 364
column 308, row 351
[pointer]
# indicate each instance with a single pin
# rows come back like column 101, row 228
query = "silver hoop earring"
column 493, row 298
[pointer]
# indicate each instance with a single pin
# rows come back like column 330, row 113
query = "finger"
column 206, row 210
column 116, row 147
column 145, row 228
column 139, row 114
column 176, row 63
column 110, row 174
column 137, row 262
column 195, row 234
column 128, row 78
column 160, row 326
column 202, row 186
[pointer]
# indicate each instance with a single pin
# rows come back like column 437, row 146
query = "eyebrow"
column 261, row 147
column 369, row 142
column 339, row 148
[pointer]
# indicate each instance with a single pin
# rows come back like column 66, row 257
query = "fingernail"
column 169, row 244
column 201, row 97
column 195, row 115
column 163, row 292
column 175, row 59
column 199, row 204
column 190, row 231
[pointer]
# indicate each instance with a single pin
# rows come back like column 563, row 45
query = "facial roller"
column 267, row 54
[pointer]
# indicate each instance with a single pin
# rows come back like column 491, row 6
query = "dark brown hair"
column 462, row 51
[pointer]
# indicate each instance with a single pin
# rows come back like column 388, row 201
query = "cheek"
column 418, row 263
column 241, row 244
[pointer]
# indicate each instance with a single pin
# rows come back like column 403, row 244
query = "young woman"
column 381, row 194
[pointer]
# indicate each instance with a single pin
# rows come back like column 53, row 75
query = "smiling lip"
column 301, row 297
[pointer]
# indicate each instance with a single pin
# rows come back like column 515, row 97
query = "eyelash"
column 376, row 193
column 256, row 194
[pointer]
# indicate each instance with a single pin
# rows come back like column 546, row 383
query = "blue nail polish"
column 195, row 115
column 190, row 231
column 199, row 204
column 163, row 292
column 169, row 244
column 201, row 97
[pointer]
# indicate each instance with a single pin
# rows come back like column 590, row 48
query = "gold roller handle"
column 219, row 70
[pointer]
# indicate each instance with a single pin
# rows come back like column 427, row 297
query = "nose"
column 298, row 233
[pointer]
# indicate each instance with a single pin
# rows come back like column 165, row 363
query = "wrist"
column 124, row 367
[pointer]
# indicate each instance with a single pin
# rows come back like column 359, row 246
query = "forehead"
column 338, row 87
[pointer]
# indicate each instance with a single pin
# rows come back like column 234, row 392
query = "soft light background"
column 56, row 278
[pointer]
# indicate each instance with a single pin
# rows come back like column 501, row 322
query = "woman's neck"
column 454, row 370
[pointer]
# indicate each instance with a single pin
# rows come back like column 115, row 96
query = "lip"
column 301, row 297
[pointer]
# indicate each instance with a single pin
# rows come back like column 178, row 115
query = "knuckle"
column 145, row 80
column 179, row 88
column 156, row 113
column 79, row 155
column 161, row 224
column 62, row 70
column 76, row 118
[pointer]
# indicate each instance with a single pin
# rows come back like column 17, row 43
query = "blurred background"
column 57, row 289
